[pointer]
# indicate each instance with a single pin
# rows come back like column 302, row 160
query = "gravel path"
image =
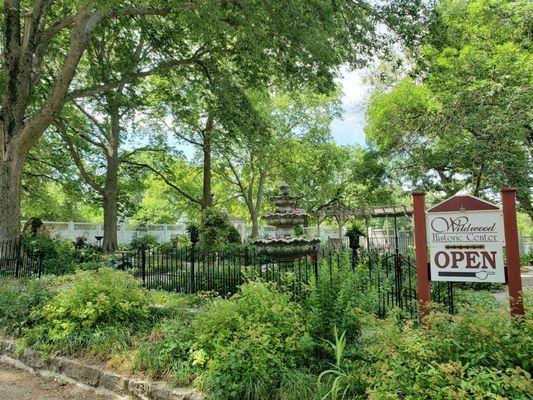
column 527, row 286
column 16, row 384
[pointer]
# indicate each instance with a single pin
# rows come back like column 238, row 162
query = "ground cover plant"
column 245, row 345
column 264, row 343
column 18, row 299
column 90, row 309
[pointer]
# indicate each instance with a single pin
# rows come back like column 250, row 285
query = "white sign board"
column 466, row 246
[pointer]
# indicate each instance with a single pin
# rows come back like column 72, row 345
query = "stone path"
column 16, row 384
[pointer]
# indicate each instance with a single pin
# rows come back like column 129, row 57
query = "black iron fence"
column 389, row 277
column 17, row 259
column 387, row 280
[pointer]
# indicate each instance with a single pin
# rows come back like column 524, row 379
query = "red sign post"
column 512, row 252
column 465, row 237
column 422, row 270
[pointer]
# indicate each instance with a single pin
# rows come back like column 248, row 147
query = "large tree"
column 93, row 128
column 44, row 41
column 293, row 126
column 462, row 119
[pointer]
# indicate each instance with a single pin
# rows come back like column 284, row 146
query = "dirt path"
column 16, row 384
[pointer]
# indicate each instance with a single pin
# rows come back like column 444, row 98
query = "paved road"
column 16, row 384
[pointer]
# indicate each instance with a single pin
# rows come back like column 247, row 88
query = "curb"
column 90, row 377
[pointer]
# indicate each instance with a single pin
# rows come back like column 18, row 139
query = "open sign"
column 466, row 246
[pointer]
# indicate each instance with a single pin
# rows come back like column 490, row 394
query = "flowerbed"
column 261, row 344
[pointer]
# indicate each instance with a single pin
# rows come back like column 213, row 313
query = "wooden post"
column 512, row 251
column 422, row 272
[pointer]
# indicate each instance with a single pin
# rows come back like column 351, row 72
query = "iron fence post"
column 18, row 262
column 193, row 260
column 315, row 263
column 40, row 264
column 143, row 264
column 246, row 256
column 354, row 258
column 450, row 297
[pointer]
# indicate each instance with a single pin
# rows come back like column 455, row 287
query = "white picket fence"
column 126, row 232
column 381, row 238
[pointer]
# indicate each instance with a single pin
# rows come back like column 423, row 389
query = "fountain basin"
column 286, row 250
column 285, row 219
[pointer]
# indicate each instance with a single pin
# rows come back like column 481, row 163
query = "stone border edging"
column 91, row 376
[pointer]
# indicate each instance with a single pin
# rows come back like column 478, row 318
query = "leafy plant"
column 341, row 385
column 216, row 230
column 143, row 242
column 33, row 227
column 246, row 344
column 86, row 303
column 355, row 230
column 340, row 298
column 17, row 301
column 165, row 352
column 479, row 353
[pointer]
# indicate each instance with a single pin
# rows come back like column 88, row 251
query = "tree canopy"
column 461, row 117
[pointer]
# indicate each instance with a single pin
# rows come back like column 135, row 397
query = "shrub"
column 86, row 303
column 143, row 242
column 59, row 256
column 338, row 300
column 17, row 300
column 165, row 352
column 33, row 226
column 216, row 231
column 478, row 353
column 246, row 344
column 234, row 236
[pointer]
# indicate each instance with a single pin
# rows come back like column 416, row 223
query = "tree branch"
column 77, row 159
column 166, row 180
column 33, row 175
column 91, row 117
column 91, row 91
column 127, row 155
column 84, row 27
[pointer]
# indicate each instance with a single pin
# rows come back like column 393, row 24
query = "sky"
column 350, row 128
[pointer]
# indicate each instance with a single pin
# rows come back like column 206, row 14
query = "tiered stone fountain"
column 285, row 247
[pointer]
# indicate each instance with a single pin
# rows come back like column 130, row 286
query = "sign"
column 466, row 245
column 465, row 238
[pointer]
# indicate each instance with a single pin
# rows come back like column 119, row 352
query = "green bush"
column 246, row 344
column 143, row 242
column 234, row 236
column 59, row 256
column 164, row 353
column 338, row 299
column 17, row 300
column 478, row 353
column 216, row 231
column 86, row 303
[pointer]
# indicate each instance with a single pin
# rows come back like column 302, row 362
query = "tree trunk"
column 10, row 187
column 110, row 221
column 207, row 195
column 111, row 186
column 255, row 224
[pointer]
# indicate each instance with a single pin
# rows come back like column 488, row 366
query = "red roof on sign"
column 463, row 202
